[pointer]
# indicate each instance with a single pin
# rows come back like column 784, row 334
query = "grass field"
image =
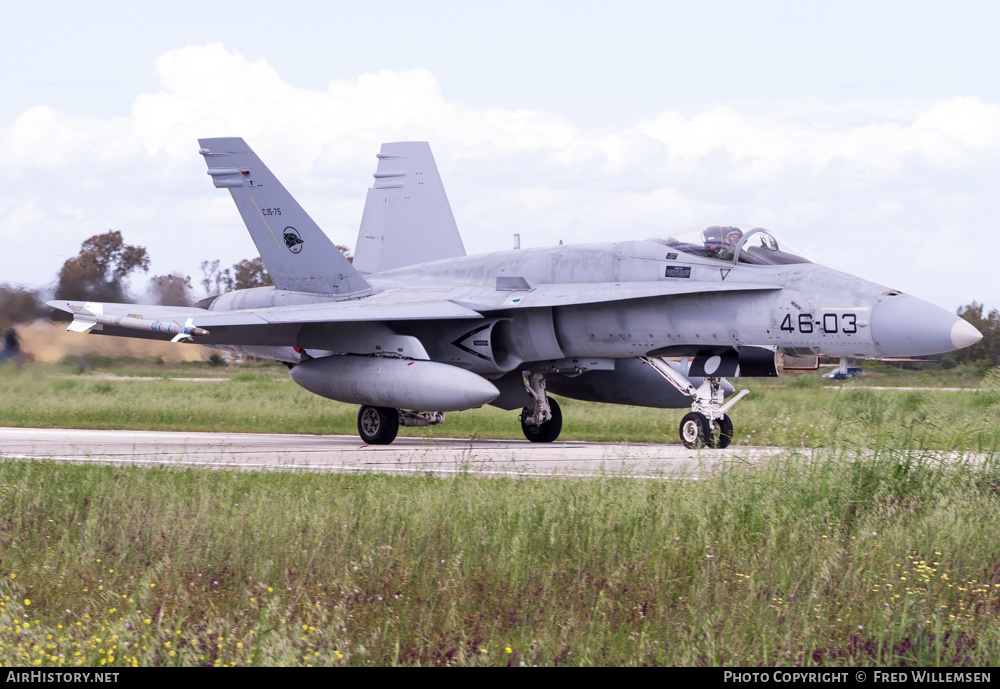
column 822, row 556
column 807, row 560
column 802, row 411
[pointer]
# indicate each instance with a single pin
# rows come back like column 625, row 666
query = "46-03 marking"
column 832, row 323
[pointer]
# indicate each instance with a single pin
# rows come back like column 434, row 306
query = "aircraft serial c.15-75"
column 416, row 328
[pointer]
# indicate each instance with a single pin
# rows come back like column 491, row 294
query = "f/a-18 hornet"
column 415, row 328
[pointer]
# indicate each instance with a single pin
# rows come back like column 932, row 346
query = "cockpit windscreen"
column 755, row 246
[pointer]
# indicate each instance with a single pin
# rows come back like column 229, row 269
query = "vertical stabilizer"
column 298, row 255
column 407, row 218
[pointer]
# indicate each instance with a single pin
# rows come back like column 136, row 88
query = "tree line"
column 987, row 349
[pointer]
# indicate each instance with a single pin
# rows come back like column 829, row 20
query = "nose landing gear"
column 707, row 425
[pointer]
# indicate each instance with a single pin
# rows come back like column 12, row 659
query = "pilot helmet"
column 732, row 236
column 712, row 236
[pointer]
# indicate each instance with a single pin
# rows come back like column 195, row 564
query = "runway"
column 254, row 451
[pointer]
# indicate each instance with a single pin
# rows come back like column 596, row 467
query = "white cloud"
column 845, row 182
column 870, row 138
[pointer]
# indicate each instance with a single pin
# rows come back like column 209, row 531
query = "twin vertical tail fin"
column 407, row 218
column 298, row 255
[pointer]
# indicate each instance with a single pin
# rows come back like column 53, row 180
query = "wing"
column 283, row 325
column 275, row 325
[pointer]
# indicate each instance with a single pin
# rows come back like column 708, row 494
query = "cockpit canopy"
column 732, row 244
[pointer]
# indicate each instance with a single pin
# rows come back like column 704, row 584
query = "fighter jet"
column 415, row 328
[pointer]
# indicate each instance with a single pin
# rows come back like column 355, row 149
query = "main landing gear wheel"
column 378, row 425
column 696, row 431
column 546, row 432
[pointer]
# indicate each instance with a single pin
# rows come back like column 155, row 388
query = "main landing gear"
column 380, row 425
column 541, row 422
column 707, row 425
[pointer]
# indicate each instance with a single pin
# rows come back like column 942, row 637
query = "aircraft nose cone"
column 964, row 335
column 903, row 325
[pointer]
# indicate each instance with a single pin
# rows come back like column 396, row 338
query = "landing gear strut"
column 542, row 421
column 707, row 425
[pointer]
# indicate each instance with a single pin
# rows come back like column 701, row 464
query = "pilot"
column 731, row 237
column 720, row 242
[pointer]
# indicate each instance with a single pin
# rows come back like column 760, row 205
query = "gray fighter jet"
column 415, row 328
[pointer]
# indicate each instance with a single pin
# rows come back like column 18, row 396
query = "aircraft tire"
column 725, row 427
column 694, row 430
column 548, row 431
column 378, row 425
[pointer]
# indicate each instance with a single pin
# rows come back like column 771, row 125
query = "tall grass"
column 819, row 557
column 800, row 412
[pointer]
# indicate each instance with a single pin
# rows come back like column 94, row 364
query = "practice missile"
column 396, row 383
column 90, row 315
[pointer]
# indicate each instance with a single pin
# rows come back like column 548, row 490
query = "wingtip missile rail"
column 86, row 318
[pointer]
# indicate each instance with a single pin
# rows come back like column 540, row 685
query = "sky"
column 866, row 134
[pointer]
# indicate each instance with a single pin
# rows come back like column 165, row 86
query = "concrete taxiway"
column 348, row 453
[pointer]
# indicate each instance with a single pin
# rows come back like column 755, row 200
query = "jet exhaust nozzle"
column 396, row 383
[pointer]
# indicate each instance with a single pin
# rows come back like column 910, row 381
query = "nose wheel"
column 697, row 431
